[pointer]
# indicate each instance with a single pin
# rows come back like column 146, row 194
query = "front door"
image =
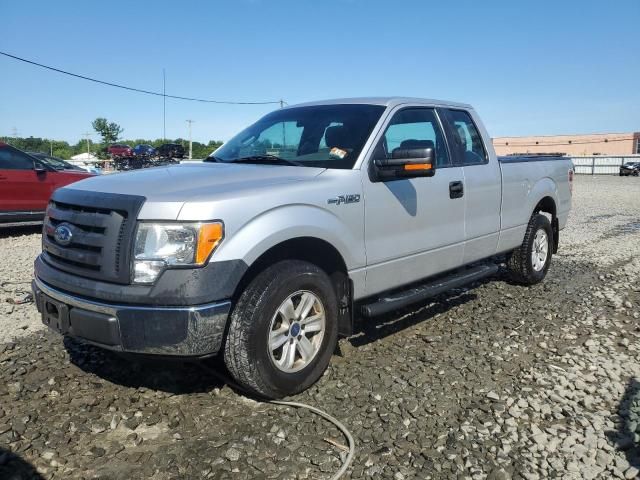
column 22, row 188
column 414, row 227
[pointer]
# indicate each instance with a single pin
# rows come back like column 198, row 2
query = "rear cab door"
column 472, row 150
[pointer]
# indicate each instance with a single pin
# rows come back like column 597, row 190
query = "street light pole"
column 190, row 143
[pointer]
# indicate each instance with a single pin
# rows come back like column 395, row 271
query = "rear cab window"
column 465, row 139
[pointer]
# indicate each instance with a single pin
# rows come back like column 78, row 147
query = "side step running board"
column 417, row 294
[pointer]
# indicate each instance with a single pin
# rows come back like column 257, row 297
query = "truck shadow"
column 184, row 376
column 168, row 375
column 12, row 466
column 624, row 438
column 369, row 330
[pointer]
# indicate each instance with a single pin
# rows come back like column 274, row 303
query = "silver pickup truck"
column 315, row 214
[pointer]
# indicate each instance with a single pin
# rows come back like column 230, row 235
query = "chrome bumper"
column 196, row 330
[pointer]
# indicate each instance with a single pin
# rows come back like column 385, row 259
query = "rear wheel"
column 283, row 330
column 529, row 263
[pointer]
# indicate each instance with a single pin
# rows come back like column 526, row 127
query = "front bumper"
column 188, row 331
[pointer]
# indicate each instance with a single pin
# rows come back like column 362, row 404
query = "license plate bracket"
column 55, row 314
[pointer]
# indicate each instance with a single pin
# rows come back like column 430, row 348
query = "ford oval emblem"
column 63, row 235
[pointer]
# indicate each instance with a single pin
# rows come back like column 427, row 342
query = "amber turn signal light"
column 418, row 166
column 209, row 236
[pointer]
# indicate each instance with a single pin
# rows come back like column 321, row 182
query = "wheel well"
column 322, row 254
column 548, row 205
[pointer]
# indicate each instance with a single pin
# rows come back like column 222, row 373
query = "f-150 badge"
column 344, row 199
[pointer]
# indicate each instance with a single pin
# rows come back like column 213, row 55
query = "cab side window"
column 413, row 128
column 466, row 139
column 12, row 159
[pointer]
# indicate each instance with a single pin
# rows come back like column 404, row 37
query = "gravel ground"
column 496, row 382
column 18, row 249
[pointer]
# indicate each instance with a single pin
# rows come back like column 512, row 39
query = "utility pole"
column 190, row 143
column 164, row 106
column 14, row 132
column 51, row 147
column 86, row 135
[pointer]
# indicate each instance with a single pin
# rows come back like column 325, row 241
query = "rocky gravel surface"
column 495, row 382
column 18, row 249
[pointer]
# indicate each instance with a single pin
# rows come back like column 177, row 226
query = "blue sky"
column 529, row 67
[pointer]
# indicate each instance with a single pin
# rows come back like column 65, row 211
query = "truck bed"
column 524, row 178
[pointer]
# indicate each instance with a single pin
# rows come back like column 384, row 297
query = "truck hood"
column 195, row 181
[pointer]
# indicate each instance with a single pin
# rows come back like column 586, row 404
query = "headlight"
column 164, row 245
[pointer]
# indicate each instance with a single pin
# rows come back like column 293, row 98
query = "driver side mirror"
column 39, row 168
column 406, row 163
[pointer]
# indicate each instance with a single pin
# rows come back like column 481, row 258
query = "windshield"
column 326, row 136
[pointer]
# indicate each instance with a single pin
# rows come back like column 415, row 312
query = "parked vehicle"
column 26, row 183
column 55, row 162
column 119, row 150
column 143, row 150
column 170, row 150
column 316, row 213
column 630, row 168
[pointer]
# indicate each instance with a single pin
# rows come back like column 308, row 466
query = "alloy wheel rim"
column 540, row 250
column 296, row 331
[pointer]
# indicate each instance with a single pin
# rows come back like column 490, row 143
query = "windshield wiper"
column 266, row 158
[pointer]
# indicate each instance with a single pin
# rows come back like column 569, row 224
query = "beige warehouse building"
column 573, row 145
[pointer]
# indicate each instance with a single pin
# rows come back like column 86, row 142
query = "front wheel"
column 528, row 264
column 283, row 330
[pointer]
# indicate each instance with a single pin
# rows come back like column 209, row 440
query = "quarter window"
column 413, row 128
column 12, row 159
column 466, row 139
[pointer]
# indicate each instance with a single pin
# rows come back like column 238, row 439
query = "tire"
column 258, row 314
column 521, row 265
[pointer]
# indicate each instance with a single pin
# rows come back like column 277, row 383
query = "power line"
column 139, row 90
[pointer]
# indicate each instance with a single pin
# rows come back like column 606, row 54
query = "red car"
column 120, row 150
column 26, row 184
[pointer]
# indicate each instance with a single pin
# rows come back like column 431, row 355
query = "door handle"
column 456, row 189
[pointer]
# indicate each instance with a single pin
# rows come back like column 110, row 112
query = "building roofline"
column 632, row 134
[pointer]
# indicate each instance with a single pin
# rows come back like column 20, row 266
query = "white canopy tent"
column 84, row 157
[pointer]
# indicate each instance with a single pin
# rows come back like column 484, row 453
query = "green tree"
column 109, row 131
